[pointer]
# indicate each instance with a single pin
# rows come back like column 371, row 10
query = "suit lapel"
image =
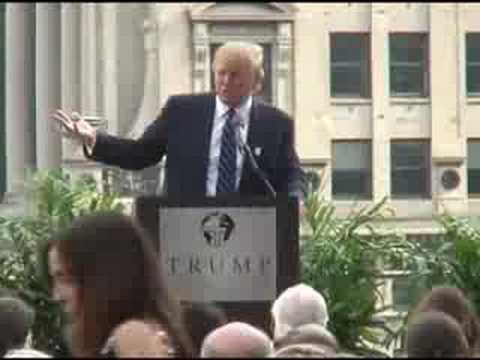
column 255, row 130
column 254, row 125
column 206, row 125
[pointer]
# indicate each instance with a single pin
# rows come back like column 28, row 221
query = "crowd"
column 104, row 272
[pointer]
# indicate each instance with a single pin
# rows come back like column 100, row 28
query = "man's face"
column 234, row 78
column 64, row 289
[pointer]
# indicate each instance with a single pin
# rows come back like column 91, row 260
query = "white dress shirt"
column 219, row 119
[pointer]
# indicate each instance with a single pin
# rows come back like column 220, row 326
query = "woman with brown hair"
column 452, row 301
column 105, row 272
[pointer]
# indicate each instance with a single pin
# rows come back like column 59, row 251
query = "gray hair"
column 298, row 305
column 236, row 339
column 304, row 351
column 314, row 334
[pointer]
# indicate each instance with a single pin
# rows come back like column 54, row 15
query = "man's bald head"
column 236, row 339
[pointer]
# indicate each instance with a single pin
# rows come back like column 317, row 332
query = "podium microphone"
column 245, row 148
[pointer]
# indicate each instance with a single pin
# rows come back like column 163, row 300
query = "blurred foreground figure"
column 200, row 319
column 105, row 273
column 16, row 320
column 452, row 301
column 434, row 334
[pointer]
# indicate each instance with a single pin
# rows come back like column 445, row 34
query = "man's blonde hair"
column 232, row 53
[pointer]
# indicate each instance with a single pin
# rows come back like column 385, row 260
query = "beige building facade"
column 384, row 95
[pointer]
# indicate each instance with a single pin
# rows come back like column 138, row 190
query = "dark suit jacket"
column 183, row 130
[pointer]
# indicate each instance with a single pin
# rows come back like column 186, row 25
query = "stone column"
column 19, row 93
column 443, row 64
column 70, row 21
column 70, row 73
column 151, row 91
column 313, row 118
column 460, row 15
column 48, row 83
column 284, row 99
column 201, row 56
column 88, row 58
column 380, row 102
column 110, row 65
column 448, row 135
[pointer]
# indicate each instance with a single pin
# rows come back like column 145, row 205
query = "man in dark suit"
column 198, row 133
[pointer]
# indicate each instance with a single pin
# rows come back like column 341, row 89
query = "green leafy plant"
column 453, row 261
column 346, row 267
column 55, row 202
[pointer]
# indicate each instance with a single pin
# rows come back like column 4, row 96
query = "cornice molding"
column 209, row 12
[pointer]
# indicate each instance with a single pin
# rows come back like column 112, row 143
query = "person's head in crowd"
column 200, row 319
column 237, row 339
column 303, row 351
column 238, row 71
column 298, row 305
column 4, row 292
column 434, row 334
column 345, row 354
column 103, row 270
column 16, row 320
column 453, row 302
column 309, row 334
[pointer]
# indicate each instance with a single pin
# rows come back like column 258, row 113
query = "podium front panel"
column 238, row 253
column 220, row 254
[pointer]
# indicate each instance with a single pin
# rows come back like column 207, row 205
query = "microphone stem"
column 259, row 171
column 246, row 149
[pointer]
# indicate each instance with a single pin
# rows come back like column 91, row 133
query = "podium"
column 239, row 253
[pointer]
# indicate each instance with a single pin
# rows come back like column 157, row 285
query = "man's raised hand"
column 74, row 126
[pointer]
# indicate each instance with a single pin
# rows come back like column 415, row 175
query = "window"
column 350, row 65
column 3, row 50
column 409, row 65
column 473, row 166
column 266, row 93
column 473, row 63
column 410, row 166
column 351, row 168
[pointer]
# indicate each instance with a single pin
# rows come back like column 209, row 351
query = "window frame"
column 3, row 120
column 471, row 195
column 423, row 64
column 368, row 172
column 470, row 64
column 427, row 168
column 364, row 66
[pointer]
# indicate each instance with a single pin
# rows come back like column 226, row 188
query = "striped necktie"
column 227, row 166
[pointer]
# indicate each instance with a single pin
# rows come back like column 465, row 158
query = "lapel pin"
column 258, row 151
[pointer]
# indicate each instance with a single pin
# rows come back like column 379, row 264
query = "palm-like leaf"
column 344, row 266
column 56, row 202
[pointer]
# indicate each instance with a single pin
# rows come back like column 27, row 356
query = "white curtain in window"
column 351, row 155
column 474, row 154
